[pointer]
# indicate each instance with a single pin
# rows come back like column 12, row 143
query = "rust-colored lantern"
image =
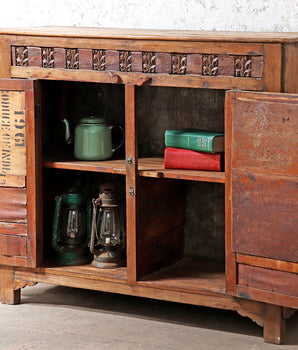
column 107, row 242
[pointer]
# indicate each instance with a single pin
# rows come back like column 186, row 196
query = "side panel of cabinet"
column 20, row 174
column 262, row 192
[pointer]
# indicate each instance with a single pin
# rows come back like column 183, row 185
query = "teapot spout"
column 67, row 131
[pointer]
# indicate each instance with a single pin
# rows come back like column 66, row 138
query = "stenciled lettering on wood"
column 12, row 139
column 148, row 62
column 210, row 65
column 99, row 59
column 47, row 57
column 243, row 66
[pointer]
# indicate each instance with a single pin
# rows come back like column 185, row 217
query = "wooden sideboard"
column 218, row 239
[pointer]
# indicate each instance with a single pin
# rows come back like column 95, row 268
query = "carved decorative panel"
column 98, row 59
column 47, row 57
column 138, row 61
column 210, row 65
column 149, row 62
column 243, row 66
column 179, row 63
column 125, row 61
column 21, row 54
column 72, row 59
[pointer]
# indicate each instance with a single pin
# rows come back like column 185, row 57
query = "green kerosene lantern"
column 71, row 229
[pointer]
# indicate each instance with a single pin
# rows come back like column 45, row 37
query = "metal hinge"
column 131, row 192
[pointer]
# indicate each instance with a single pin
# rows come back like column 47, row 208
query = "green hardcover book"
column 195, row 140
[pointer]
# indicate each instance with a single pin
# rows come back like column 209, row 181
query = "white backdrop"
column 254, row 15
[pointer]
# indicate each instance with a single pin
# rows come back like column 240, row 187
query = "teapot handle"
column 123, row 137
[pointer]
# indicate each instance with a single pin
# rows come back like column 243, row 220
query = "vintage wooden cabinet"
column 218, row 239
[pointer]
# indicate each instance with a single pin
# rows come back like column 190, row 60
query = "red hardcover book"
column 178, row 158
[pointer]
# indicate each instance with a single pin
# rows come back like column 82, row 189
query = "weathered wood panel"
column 12, row 138
column 161, row 214
column 131, row 151
column 290, row 78
column 13, row 205
column 9, row 228
column 265, row 133
column 85, row 57
column 11, row 245
column 34, row 56
column 265, row 215
column 275, row 281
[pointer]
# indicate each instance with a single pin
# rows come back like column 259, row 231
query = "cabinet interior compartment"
column 181, row 233
column 163, row 108
column 180, row 236
column 61, row 181
column 74, row 101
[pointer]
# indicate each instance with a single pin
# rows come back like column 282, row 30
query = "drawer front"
column 13, row 246
column 279, row 282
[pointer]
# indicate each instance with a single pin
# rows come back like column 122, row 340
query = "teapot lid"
column 92, row 119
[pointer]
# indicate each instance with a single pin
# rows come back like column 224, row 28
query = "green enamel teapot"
column 93, row 138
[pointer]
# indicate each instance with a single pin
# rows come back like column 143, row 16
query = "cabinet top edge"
column 153, row 34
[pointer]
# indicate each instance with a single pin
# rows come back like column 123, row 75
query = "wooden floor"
column 148, row 167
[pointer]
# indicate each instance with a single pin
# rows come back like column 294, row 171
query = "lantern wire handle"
column 96, row 202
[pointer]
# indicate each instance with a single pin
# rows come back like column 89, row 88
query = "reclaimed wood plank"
column 13, row 205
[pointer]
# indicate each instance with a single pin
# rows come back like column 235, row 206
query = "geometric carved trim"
column 210, row 65
column 71, row 58
column 99, row 59
column 47, row 57
column 242, row 66
column 179, row 63
column 21, row 54
column 148, row 62
column 125, row 61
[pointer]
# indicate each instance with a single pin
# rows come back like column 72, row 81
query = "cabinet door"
column 261, row 196
column 20, row 178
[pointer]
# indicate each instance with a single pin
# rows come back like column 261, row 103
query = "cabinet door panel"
column 20, row 180
column 265, row 215
column 265, row 133
column 261, row 192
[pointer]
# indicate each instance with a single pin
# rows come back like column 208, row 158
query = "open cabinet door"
column 20, row 174
column 261, row 196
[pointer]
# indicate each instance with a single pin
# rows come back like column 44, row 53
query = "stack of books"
column 194, row 149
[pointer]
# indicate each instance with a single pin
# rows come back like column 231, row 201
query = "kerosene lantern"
column 107, row 242
column 71, row 234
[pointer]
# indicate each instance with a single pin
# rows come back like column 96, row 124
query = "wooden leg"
column 8, row 295
column 274, row 325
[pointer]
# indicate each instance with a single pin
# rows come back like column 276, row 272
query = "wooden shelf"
column 189, row 275
column 148, row 167
column 108, row 166
column 154, row 167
